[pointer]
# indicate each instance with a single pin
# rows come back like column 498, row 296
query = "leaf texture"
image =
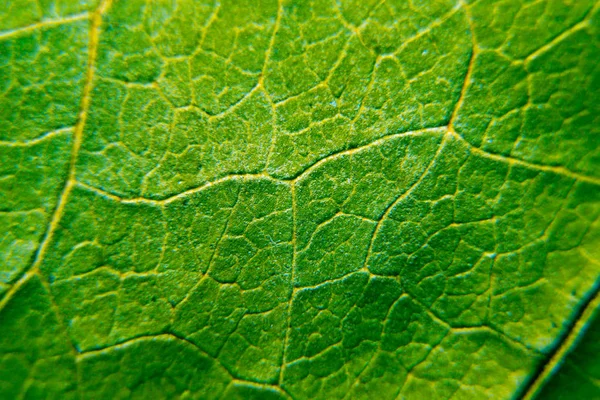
column 299, row 199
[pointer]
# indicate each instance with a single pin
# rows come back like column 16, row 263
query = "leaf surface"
column 317, row 199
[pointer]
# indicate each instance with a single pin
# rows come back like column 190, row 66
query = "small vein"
column 401, row 197
column 381, row 140
column 37, row 140
column 432, row 25
column 584, row 22
column 43, row 24
column 469, row 74
column 261, row 81
column 375, row 352
column 277, row 388
column 164, row 335
column 234, row 106
column 213, row 254
column 57, row 314
column 333, row 280
column 350, row 27
column 269, row 50
column 487, row 328
column 178, row 196
column 297, row 177
column 223, row 232
column 554, row 169
column 515, row 161
column 292, row 279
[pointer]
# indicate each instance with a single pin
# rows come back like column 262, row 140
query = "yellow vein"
column 261, row 81
column 49, row 23
column 469, row 74
column 170, row 199
column 424, row 31
column 292, row 278
column 398, row 199
column 32, row 142
column 570, row 341
column 342, row 153
column 284, row 393
column 515, row 161
column 563, row 35
column 475, row 49
column 257, row 176
column 169, row 336
column 95, row 21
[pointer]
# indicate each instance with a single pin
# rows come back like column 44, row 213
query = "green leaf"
column 573, row 372
column 299, row 199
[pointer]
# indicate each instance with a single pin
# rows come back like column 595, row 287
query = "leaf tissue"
column 312, row 199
